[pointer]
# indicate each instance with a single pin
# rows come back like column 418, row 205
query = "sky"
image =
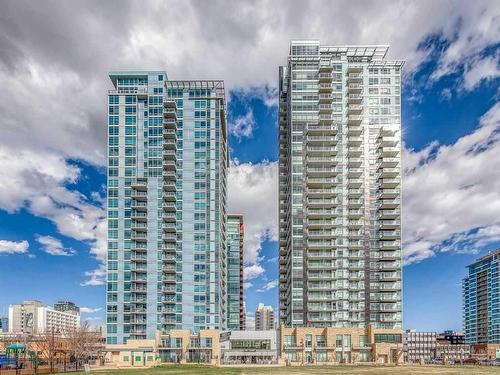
column 54, row 61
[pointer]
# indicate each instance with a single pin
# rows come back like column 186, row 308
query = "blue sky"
column 52, row 177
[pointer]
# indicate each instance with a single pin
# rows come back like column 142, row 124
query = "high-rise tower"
column 340, row 186
column 235, row 309
column 167, row 167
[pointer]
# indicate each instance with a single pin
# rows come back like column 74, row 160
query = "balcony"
column 170, row 135
column 139, row 195
column 355, row 203
column 169, row 165
column 354, row 120
column 169, row 269
column 139, row 216
column 326, row 171
column 389, row 203
column 325, row 98
column 354, row 140
column 389, row 172
column 323, row 160
column 325, row 108
column 355, row 192
column 139, row 226
column 355, row 182
column 169, row 207
column 139, row 206
column 354, row 77
column 169, row 217
column 390, row 245
column 354, row 214
column 321, row 150
column 355, row 87
column 390, row 183
column 388, row 193
column 389, row 162
column 320, row 181
column 321, row 202
column 322, row 139
column 320, row 192
column 321, row 129
column 169, row 196
column 325, row 77
column 169, row 227
column 327, row 223
column 325, row 87
column 138, row 236
column 354, row 161
column 169, row 186
column 389, row 224
column 321, row 213
column 389, row 214
column 140, row 185
column 169, row 155
column 354, row 98
column 389, row 235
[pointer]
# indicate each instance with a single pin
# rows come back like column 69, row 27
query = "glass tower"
column 340, row 181
column 481, row 300
column 167, row 166
column 235, row 312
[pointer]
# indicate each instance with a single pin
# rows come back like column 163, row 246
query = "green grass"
column 355, row 370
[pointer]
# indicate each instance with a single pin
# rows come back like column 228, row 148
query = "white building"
column 32, row 317
column 250, row 347
column 264, row 318
column 340, row 187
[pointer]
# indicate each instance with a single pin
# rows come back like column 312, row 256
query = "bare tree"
column 49, row 344
column 85, row 343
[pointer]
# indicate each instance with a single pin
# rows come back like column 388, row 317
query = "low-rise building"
column 315, row 345
column 249, row 347
column 419, row 346
column 31, row 317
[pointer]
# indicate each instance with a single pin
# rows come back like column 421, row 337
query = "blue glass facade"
column 166, row 207
column 481, row 301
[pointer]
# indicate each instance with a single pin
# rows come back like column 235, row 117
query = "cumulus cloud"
column 486, row 69
column 451, row 193
column 253, row 192
column 53, row 102
column 13, row 247
column 243, row 126
column 95, row 277
column 53, row 246
column 251, row 272
column 268, row 286
column 89, row 310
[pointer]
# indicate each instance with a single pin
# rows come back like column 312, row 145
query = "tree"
column 85, row 343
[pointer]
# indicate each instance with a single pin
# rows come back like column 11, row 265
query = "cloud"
column 247, row 284
column 243, row 126
column 53, row 246
column 253, row 192
column 13, row 247
column 451, row 193
column 268, row 286
column 253, row 271
column 96, row 277
column 482, row 69
column 89, row 310
column 53, row 105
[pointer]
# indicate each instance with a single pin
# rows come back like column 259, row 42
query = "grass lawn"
column 361, row 370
